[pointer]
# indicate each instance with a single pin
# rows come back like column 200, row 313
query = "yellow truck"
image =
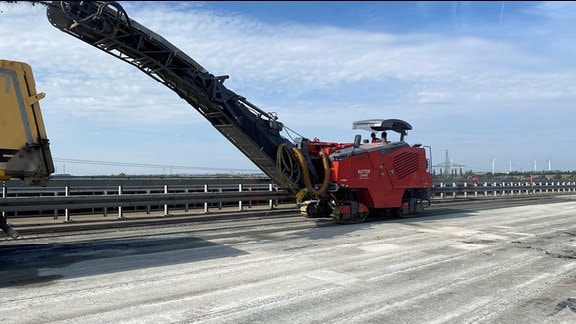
column 24, row 146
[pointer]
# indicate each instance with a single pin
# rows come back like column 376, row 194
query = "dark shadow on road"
column 33, row 264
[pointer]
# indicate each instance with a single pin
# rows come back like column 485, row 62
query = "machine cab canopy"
column 379, row 125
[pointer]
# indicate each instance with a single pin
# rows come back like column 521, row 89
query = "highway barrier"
column 19, row 202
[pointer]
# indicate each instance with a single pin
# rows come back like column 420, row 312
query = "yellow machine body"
column 24, row 146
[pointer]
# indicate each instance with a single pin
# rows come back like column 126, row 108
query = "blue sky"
column 491, row 83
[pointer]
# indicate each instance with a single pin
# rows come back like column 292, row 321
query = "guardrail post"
column 465, row 192
column 186, row 206
column 442, row 185
column 166, row 213
column 206, row 204
column 555, row 188
column 250, row 201
column 67, row 211
column 526, row 188
column 220, row 203
column 4, row 195
column 105, row 209
column 240, row 208
column 276, row 202
column 453, row 191
column 270, row 202
column 540, row 186
column 55, row 210
column 120, row 214
column 148, row 207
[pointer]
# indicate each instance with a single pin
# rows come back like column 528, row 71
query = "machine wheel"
column 348, row 218
column 315, row 209
column 397, row 212
column 312, row 210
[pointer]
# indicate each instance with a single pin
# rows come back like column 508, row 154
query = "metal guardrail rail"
column 24, row 202
column 455, row 190
column 16, row 201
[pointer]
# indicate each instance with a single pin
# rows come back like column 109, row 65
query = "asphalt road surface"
column 496, row 263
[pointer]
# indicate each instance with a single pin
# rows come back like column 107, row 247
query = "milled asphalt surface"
column 504, row 265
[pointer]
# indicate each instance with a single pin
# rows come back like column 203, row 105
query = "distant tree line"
column 549, row 175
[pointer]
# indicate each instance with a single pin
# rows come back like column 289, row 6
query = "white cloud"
column 319, row 79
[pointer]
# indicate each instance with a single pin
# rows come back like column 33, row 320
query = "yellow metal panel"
column 24, row 151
